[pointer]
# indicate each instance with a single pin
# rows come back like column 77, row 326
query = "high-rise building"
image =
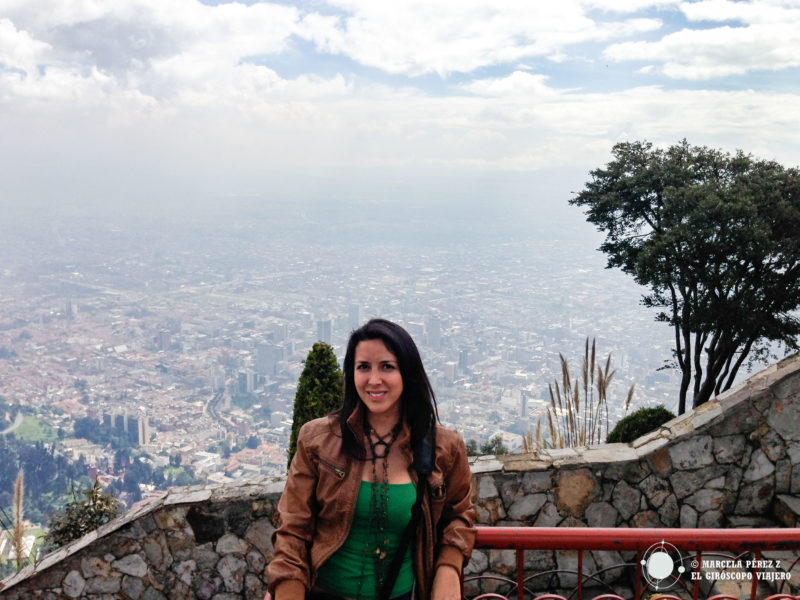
column 267, row 357
column 324, row 330
column 164, row 339
column 354, row 316
column 246, row 381
column 136, row 428
column 434, row 327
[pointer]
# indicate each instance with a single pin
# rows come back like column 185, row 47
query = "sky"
column 430, row 102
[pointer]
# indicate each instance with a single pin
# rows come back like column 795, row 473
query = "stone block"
column 575, row 490
column 510, row 487
column 185, row 570
column 488, row 512
column 688, row 517
column 187, row 496
column 181, row 544
column 601, row 514
column 693, row 453
column 256, row 561
column 230, row 544
column 253, row 587
column 259, row 534
column 157, row 551
column 729, row 448
column 668, row 511
column 759, row 466
column 205, row 557
column 73, row 584
column 636, row 471
column 755, row 498
column 773, row 446
column 133, row 565
column 527, row 507
column 486, row 487
column 626, row 499
column 152, row 593
column 478, row 563
column 486, row 464
column 94, row 566
column 537, row 481
column 660, row 462
column 655, row 489
column 132, row 587
column 705, row 500
column 787, row 510
column 232, row 569
column 110, row 584
column 783, row 416
column 548, row 516
column 783, row 476
column 740, row 418
column 687, row 482
column 711, row 519
column 647, row 518
column 503, row 561
column 795, row 480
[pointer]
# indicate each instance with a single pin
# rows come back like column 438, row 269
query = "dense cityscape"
column 191, row 341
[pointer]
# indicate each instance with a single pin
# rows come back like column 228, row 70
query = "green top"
column 342, row 572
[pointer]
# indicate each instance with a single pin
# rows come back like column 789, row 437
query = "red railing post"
column 696, row 587
column 638, row 586
column 754, row 575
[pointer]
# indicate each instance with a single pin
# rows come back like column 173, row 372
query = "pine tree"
column 319, row 390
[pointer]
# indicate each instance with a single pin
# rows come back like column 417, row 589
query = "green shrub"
column 638, row 423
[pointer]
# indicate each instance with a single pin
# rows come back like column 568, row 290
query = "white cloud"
column 420, row 36
column 190, row 91
column 629, row 6
column 767, row 39
column 18, row 50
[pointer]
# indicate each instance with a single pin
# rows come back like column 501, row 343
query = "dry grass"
column 578, row 411
column 18, row 534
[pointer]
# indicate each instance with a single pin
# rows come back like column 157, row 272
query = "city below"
column 189, row 339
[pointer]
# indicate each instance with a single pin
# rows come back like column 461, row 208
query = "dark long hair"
column 417, row 402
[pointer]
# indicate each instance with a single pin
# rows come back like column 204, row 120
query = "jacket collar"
column 356, row 424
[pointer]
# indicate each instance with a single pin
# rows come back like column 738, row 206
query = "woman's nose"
column 374, row 376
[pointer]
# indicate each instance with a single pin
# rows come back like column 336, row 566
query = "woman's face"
column 378, row 381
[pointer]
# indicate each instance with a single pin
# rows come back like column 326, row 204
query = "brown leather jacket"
column 317, row 506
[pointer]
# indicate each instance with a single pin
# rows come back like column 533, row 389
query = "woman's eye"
column 388, row 367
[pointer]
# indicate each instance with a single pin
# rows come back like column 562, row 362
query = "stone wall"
column 733, row 462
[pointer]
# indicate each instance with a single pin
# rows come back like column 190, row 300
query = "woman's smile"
column 378, row 381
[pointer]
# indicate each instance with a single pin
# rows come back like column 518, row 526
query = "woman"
column 363, row 478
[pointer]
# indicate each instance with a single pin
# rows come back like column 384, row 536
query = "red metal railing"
column 692, row 561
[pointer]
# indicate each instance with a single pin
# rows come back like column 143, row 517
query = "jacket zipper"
column 339, row 472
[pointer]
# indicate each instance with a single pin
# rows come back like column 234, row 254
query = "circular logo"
column 662, row 565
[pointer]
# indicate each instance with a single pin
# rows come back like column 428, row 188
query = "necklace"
column 378, row 505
